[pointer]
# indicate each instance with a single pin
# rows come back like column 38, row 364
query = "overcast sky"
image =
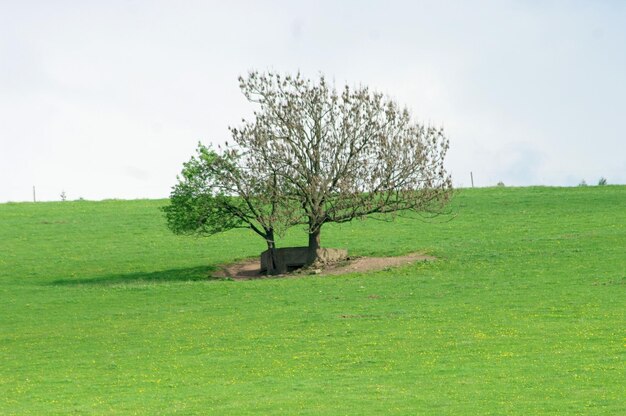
column 107, row 99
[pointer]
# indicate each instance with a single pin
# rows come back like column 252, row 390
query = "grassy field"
column 103, row 311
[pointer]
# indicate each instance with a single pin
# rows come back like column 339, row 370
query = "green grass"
column 103, row 311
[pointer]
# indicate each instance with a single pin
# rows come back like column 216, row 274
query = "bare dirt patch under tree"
column 250, row 268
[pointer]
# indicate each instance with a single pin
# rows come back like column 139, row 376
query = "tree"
column 311, row 156
column 340, row 156
column 217, row 192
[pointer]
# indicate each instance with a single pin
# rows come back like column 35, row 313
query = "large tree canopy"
column 342, row 155
column 313, row 155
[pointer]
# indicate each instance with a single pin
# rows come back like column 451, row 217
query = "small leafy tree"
column 217, row 192
column 602, row 181
column 341, row 155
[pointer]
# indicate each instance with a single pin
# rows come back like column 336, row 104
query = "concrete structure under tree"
column 290, row 258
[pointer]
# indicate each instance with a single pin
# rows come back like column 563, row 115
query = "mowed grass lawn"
column 104, row 311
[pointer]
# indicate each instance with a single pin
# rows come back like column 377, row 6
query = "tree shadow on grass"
column 190, row 274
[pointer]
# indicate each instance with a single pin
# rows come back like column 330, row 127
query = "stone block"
column 290, row 258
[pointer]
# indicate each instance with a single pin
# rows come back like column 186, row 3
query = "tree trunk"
column 314, row 245
column 272, row 260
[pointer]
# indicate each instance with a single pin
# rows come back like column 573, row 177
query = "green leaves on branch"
column 199, row 203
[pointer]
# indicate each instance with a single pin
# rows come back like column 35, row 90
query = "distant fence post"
column 34, row 196
column 472, row 178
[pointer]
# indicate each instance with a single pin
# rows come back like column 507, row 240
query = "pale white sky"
column 107, row 99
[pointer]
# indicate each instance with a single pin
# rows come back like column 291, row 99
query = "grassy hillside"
column 103, row 311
